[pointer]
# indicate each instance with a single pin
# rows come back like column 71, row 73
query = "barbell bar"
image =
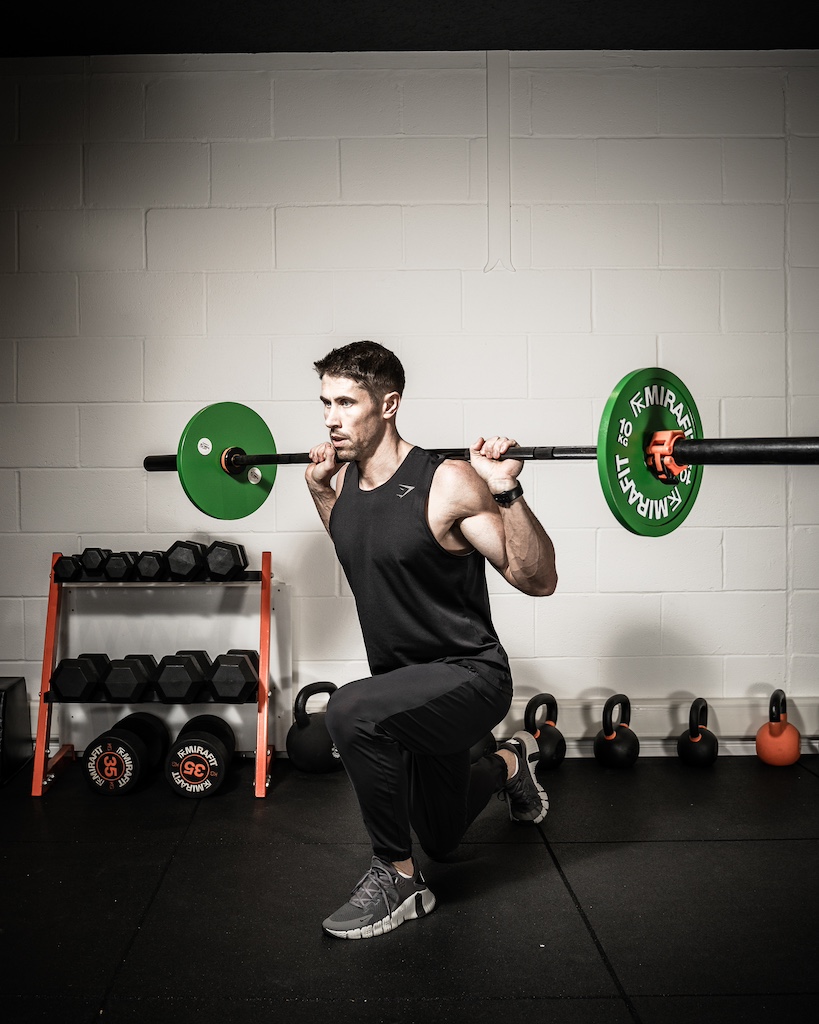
column 650, row 454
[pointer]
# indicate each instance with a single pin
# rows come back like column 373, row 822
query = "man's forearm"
column 324, row 498
column 530, row 553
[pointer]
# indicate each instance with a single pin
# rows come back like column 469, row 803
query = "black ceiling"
column 299, row 26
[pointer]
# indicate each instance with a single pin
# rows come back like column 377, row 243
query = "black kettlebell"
column 309, row 745
column 698, row 746
column 616, row 747
column 549, row 739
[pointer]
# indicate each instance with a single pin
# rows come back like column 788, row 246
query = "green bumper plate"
column 209, row 433
column 645, row 401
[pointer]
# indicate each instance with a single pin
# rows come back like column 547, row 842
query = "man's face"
column 354, row 420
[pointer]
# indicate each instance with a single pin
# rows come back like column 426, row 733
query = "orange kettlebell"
column 777, row 742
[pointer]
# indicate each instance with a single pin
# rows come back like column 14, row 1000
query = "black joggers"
column 404, row 739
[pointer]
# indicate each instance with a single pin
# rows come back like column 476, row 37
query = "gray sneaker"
column 380, row 901
column 526, row 798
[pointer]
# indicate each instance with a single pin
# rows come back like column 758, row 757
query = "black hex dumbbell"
column 93, row 560
column 233, row 679
column 80, row 678
column 226, row 561
column 186, row 561
column 120, row 566
column 180, row 679
column 68, row 569
column 152, row 566
column 130, row 679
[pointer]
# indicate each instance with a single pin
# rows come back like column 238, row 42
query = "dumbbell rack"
column 46, row 767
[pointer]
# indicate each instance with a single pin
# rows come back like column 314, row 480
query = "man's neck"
column 375, row 469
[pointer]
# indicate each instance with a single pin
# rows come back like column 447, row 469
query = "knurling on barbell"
column 650, row 453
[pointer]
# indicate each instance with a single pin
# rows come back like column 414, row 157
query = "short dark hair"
column 375, row 368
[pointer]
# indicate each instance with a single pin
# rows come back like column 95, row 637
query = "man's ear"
column 389, row 405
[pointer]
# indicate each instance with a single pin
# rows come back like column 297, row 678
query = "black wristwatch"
column 505, row 498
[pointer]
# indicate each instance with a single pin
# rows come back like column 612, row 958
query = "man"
column 413, row 532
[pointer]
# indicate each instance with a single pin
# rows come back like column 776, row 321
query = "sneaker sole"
column 531, row 761
column 414, row 907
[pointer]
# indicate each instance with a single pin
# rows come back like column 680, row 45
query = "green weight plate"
column 209, row 433
column 645, row 401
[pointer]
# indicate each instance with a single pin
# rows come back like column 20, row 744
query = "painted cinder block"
column 803, row 235
column 803, row 168
column 627, row 563
column 729, row 496
column 338, row 237
column 753, row 300
column 9, row 502
column 724, row 366
column 139, row 303
column 381, row 302
column 594, row 102
column 724, row 623
column 404, row 170
column 753, row 170
column 444, row 102
column 116, row 108
column 436, row 365
column 206, row 106
column 803, row 298
column 664, row 170
column 327, row 628
column 754, row 417
column 336, row 104
column 659, row 300
column 445, row 236
column 805, row 569
column 12, row 642
column 280, row 302
column 46, row 175
column 38, row 305
column 119, row 435
column 755, row 559
column 86, row 499
column 51, row 109
column 754, row 675
column 197, row 369
column 721, row 101
column 598, row 625
column 595, row 235
column 532, row 422
column 528, row 301
column 124, row 174
column 552, row 170
column 86, row 369
column 38, row 435
column 213, row 239
column 82, row 240
column 571, row 366
column 803, row 619
column 803, row 101
column 717, row 235
column 26, row 559
column 271, row 173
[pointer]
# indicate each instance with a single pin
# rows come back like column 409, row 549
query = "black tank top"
column 416, row 601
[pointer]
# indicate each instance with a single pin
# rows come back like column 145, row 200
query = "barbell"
column 650, row 453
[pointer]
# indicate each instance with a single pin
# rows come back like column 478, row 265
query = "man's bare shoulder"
column 457, row 483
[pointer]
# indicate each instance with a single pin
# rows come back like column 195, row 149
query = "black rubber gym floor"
column 657, row 894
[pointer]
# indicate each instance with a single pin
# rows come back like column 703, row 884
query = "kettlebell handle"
column 778, row 707
column 697, row 719
column 535, row 704
column 624, row 703
column 304, row 694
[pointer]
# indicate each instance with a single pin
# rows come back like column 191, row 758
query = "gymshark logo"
column 405, row 489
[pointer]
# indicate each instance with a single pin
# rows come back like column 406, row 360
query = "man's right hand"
column 323, row 465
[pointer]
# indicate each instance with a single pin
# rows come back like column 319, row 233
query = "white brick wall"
column 180, row 232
